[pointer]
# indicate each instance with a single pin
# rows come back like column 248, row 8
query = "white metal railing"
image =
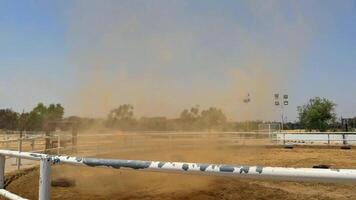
column 21, row 154
column 10, row 195
column 305, row 137
column 256, row 172
column 20, row 141
column 321, row 133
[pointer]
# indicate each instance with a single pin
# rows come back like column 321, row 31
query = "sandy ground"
column 105, row 183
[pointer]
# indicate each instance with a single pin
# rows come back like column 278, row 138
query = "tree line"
column 317, row 114
column 35, row 120
column 190, row 119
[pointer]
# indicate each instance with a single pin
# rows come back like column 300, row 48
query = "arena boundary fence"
column 310, row 137
column 255, row 172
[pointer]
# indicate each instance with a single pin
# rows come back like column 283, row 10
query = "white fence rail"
column 256, row 172
column 330, row 138
column 94, row 144
column 133, row 140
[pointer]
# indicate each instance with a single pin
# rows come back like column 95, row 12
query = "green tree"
column 318, row 113
column 36, row 118
column 8, row 119
column 54, row 112
column 40, row 115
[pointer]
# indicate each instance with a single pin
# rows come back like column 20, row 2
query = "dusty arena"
column 108, row 183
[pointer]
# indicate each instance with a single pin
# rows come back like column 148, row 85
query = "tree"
column 55, row 112
column 153, row 124
column 190, row 118
column 8, row 119
column 193, row 119
column 35, row 119
column 191, row 115
column 121, row 117
column 41, row 114
column 318, row 113
column 213, row 118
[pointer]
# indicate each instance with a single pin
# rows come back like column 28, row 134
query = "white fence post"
column 2, row 171
column 45, row 179
column 19, row 149
column 344, row 140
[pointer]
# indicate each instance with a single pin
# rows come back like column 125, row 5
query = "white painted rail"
column 256, row 172
column 10, row 195
column 334, row 138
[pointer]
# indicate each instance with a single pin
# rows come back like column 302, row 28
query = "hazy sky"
column 164, row 56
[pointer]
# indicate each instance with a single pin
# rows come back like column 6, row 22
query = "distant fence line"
column 60, row 140
column 65, row 142
column 329, row 138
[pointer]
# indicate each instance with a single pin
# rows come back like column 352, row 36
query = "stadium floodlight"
column 247, row 99
column 284, row 102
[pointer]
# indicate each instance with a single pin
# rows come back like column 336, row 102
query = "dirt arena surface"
column 105, row 183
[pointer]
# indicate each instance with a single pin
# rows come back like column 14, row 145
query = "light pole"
column 284, row 102
column 247, row 100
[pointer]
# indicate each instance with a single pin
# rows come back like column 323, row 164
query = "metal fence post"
column 45, row 178
column 269, row 132
column 7, row 143
column 2, row 171
column 74, row 137
column 32, row 144
column 58, row 144
column 48, row 140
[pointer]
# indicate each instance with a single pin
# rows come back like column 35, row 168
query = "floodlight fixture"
column 247, row 99
column 284, row 102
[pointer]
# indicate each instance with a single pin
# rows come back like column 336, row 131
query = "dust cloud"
column 181, row 147
column 162, row 58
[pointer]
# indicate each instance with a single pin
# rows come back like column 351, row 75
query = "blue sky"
column 163, row 56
